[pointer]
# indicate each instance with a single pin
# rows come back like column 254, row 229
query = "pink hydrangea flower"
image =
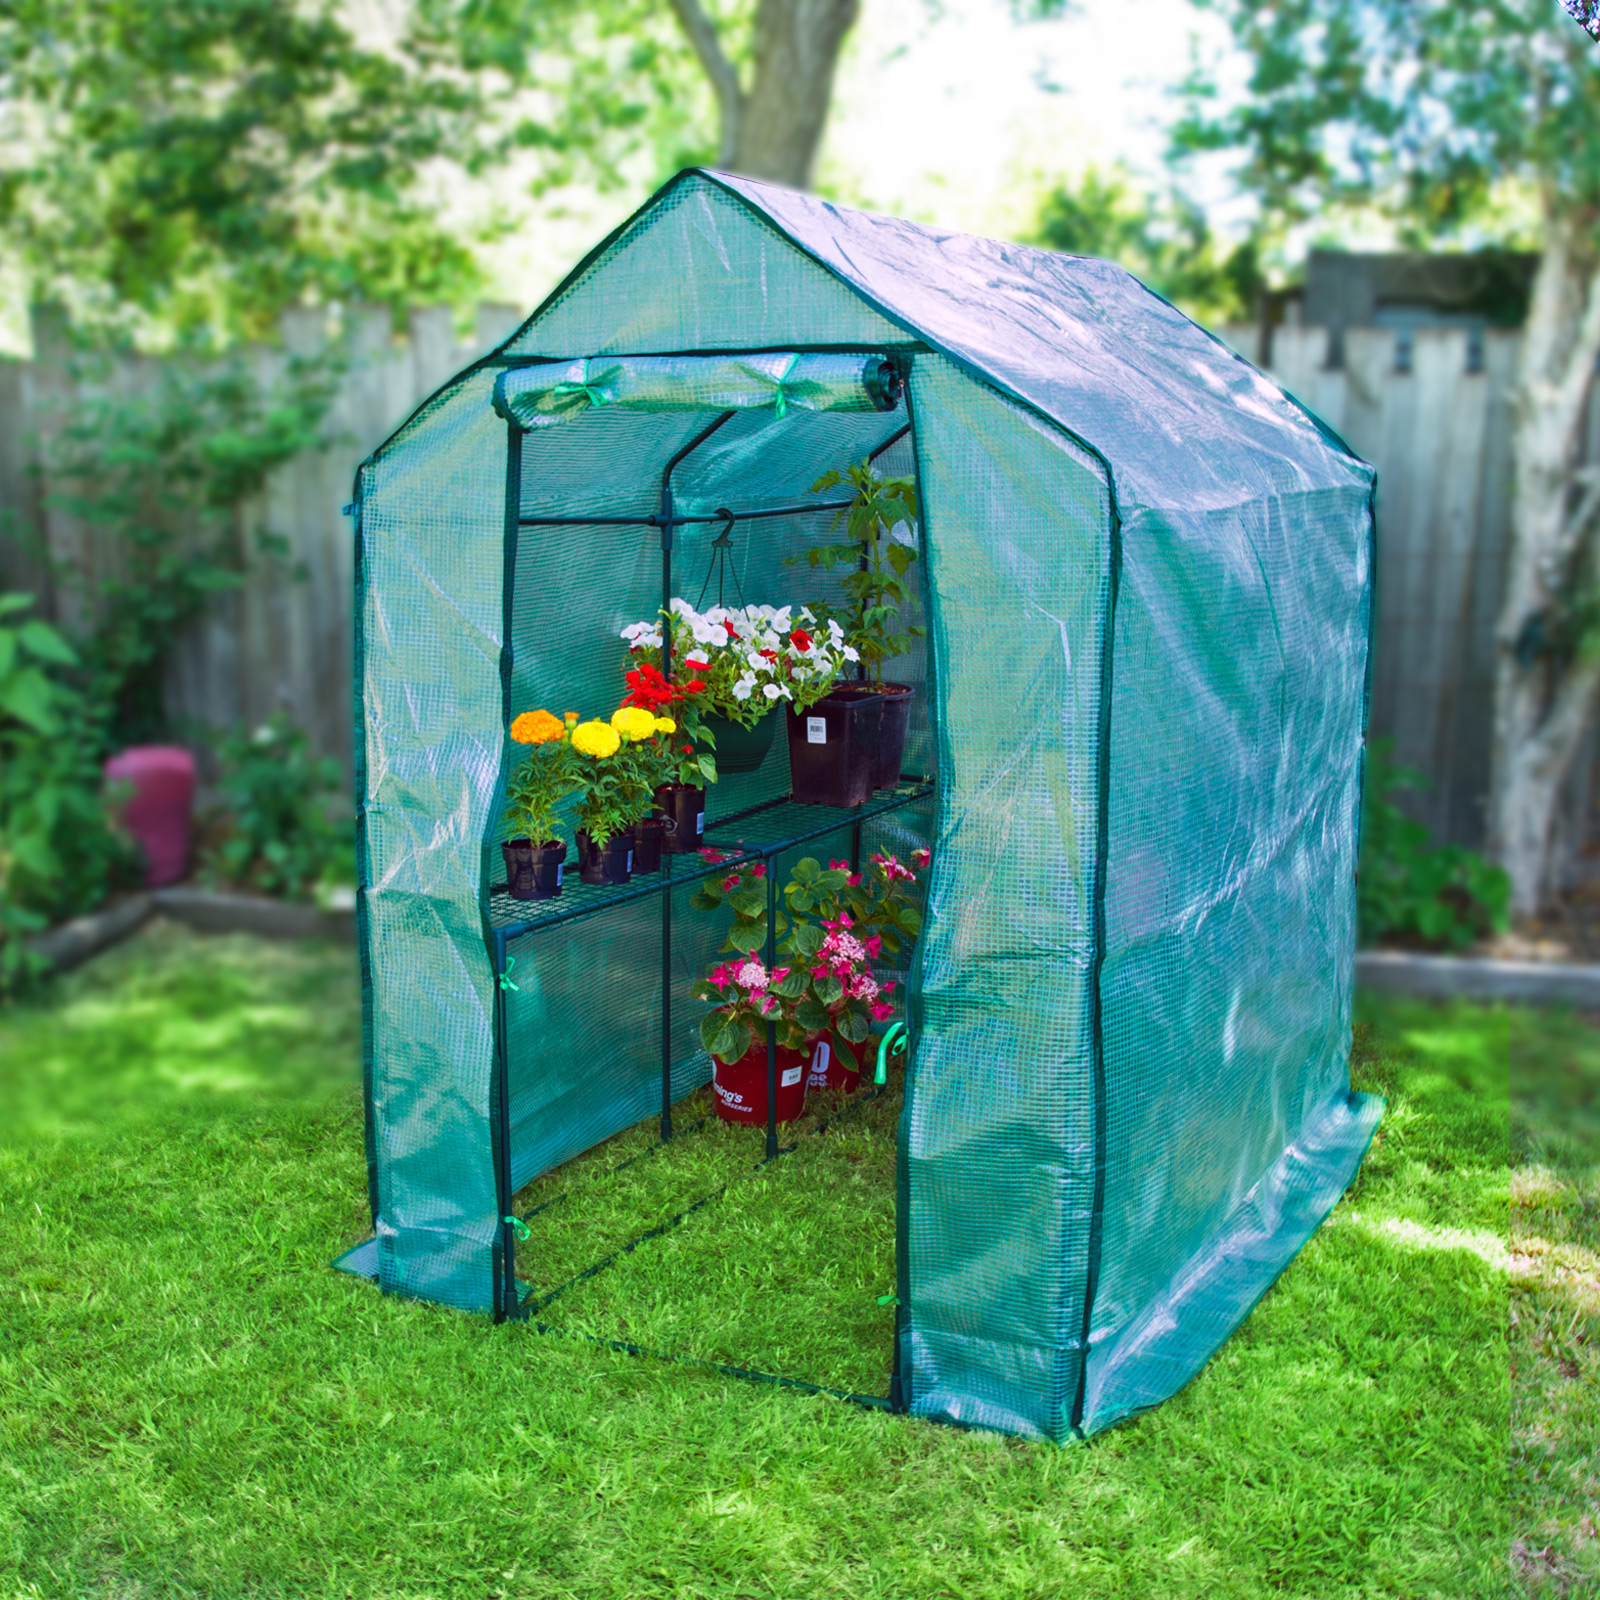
column 920, row 859
column 731, row 882
column 880, row 1010
column 752, row 975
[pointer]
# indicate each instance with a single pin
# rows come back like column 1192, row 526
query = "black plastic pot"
column 649, row 834
column 683, row 811
column 740, row 749
column 533, row 872
column 605, row 865
column 893, row 721
column 833, row 747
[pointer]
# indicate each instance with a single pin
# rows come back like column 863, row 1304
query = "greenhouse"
column 1041, row 815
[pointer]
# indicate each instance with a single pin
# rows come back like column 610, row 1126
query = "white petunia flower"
column 771, row 691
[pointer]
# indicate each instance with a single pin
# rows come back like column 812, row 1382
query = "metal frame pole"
column 772, row 1027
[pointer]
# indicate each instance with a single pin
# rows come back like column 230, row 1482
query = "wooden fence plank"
column 1438, row 435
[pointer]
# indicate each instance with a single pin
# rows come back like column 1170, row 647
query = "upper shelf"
column 760, row 832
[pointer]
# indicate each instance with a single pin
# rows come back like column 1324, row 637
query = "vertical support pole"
column 666, row 864
column 506, row 1286
column 772, row 1027
column 505, row 1277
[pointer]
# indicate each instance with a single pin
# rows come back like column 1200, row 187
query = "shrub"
column 1411, row 891
column 58, row 850
column 284, row 825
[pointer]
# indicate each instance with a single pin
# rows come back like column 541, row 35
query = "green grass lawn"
column 1555, row 1303
column 191, row 1403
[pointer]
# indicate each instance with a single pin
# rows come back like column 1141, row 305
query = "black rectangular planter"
column 833, row 747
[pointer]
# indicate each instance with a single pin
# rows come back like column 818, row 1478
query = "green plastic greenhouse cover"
column 1147, row 583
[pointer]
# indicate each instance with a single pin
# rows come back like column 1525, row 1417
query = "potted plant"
column 536, row 853
column 745, row 660
column 644, row 762
column 686, row 767
column 875, row 592
column 608, row 804
column 873, row 914
column 822, row 992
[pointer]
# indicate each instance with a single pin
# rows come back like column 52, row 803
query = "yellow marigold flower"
column 537, row 727
column 633, row 723
column 666, row 725
column 596, row 739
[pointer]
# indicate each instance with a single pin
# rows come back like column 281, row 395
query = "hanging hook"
column 721, row 556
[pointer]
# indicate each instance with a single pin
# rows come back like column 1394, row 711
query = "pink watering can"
column 159, row 810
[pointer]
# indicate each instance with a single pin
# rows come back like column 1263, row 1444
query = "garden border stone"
column 71, row 943
column 1479, row 978
column 211, row 912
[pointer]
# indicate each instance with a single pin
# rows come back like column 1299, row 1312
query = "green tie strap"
column 505, row 977
column 780, row 406
column 518, row 1227
column 595, row 397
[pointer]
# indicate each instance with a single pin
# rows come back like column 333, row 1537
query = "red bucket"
column 157, row 813
column 835, row 1064
column 741, row 1089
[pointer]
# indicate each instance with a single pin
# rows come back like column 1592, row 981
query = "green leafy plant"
column 282, row 828
column 875, row 588
column 59, row 852
column 823, row 982
column 1408, row 889
column 547, row 775
column 163, row 476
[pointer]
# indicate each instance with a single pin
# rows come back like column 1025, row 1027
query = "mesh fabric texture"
column 1147, row 576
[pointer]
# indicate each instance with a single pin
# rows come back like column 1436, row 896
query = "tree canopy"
column 198, row 167
column 1442, row 115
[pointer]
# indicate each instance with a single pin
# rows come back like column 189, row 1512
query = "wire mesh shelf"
column 757, row 833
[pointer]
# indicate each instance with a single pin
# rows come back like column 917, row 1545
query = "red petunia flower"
column 801, row 638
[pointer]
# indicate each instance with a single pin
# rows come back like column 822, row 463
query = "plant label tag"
column 791, row 1076
column 816, row 730
column 699, row 822
column 630, row 861
column 819, row 1062
column 561, row 867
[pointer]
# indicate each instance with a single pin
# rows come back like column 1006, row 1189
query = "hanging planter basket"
column 741, row 1088
column 738, row 748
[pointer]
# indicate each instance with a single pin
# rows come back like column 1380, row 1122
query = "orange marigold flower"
column 537, row 727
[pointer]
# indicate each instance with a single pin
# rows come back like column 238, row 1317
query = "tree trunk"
column 1548, row 674
column 774, row 128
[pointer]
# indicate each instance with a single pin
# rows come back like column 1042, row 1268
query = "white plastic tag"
column 561, row 867
column 816, row 730
column 630, row 861
column 699, row 822
column 791, row 1076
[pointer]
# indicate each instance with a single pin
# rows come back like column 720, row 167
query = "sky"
column 954, row 114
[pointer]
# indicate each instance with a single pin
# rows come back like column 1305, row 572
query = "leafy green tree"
column 1451, row 118
column 193, row 169
column 1164, row 241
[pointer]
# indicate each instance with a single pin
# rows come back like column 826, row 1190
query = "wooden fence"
column 1437, row 431
column 282, row 641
